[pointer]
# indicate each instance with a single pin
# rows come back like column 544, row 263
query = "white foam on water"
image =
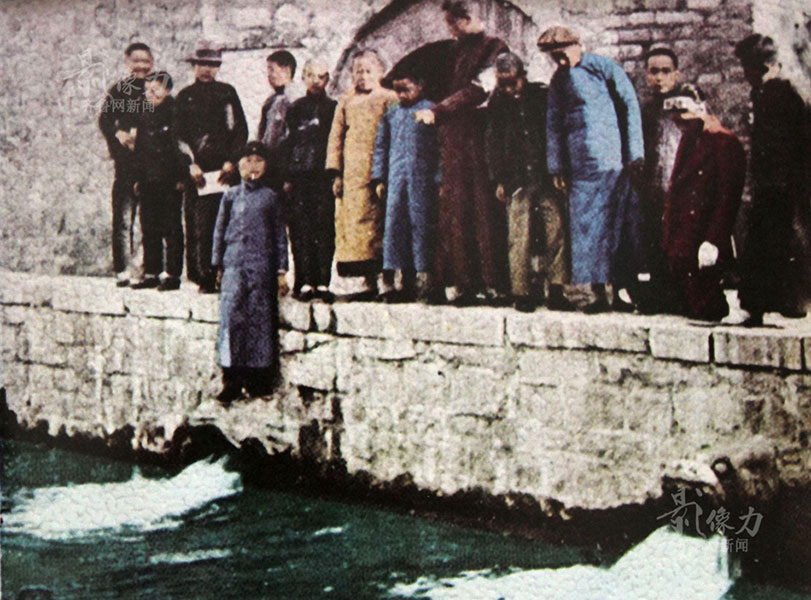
column 140, row 504
column 181, row 558
column 328, row 531
column 664, row 565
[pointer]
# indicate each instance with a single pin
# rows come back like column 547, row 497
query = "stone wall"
column 58, row 58
column 569, row 410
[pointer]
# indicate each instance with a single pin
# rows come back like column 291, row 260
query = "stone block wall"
column 570, row 410
column 58, row 58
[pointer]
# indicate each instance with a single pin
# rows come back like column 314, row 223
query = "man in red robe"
column 471, row 244
column 700, row 206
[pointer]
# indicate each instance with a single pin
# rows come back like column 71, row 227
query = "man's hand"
column 560, row 183
column 338, row 187
column 287, row 188
column 380, row 191
column 126, row 138
column 136, row 189
column 197, row 175
column 219, row 279
column 707, row 255
column 425, row 116
column 501, row 195
column 283, row 287
column 227, row 172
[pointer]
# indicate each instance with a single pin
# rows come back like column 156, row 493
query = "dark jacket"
column 122, row 105
column 705, row 194
column 211, row 123
column 157, row 156
column 515, row 138
column 309, row 120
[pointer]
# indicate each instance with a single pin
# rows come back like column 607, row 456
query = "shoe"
column 207, row 288
column 754, row 320
column 169, row 284
column 793, row 313
column 305, row 294
column 557, row 301
column 259, row 390
column 122, row 279
column 619, row 305
column 146, row 283
column 322, row 293
column 365, row 296
column 525, row 305
column 598, row 306
column 229, row 393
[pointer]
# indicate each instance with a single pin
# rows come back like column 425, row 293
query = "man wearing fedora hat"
column 212, row 130
column 594, row 148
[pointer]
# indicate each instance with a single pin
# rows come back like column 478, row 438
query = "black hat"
column 207, row 53
column 254, row 148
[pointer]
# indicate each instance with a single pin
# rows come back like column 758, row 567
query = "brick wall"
column 571, row 410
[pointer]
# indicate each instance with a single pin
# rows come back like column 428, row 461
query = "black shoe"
column 122, row 283
column 557, row 301
column 325, row 296
column 754, row 320
column 146, row 283
column 367, row 296
column 793, row 313
column 169, row 284
column 229, row 393
column 304, row 296
column 526, row 305
column 464, row 300
column 598, row 306
column 259, row 390
column 619, row 305
column 207, row 288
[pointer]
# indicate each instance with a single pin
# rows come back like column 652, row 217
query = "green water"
column 249, row 544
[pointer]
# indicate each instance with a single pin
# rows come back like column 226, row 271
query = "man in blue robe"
column 594, row 150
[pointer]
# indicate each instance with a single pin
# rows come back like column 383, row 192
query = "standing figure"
column 515, row 142
column 662, row 136
column 117, row 121
column 281, row 68
column 358, row 214
column 405, row 172
column 470, row 251
column 594, row 131
column 162, row 169
column 250, row 256
column 776, row 262
column 700, row 207
column 211, row 130
column 311, row 217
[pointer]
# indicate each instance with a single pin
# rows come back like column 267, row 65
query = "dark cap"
column 207, row 53
column 254, row 148
column 557, row 37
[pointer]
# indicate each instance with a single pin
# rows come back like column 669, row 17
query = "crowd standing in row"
column 495, row 192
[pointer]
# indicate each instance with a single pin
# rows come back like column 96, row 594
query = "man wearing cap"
column 119, row 113
column 594, row 132
column 700, row 207
column 470, row 251
column 776, row 262
column 211, row 130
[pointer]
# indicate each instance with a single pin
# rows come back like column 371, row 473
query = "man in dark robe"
column 211, row 129
column 700, row 207
column 470, row 250
column 122, row 106
column 775, row 267
column 662, row 136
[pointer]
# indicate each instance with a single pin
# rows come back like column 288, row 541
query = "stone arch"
column 404, row 25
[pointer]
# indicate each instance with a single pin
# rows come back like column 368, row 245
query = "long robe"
column 250, row 245
column 358, row 215
column 701, row 205
column 593, row 130
column 406, row 158
column 776, row 263
column 471, row 246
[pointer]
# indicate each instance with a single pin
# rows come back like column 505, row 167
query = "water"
column 87, row 528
